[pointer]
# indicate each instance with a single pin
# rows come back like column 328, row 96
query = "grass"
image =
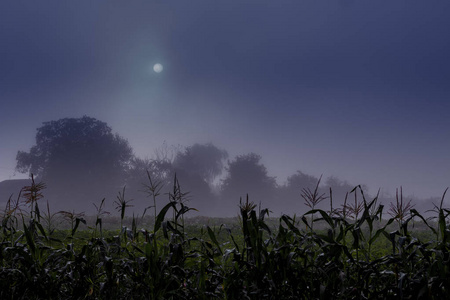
column 349, row 252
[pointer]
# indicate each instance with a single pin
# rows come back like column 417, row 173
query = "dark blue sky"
column 355, row 89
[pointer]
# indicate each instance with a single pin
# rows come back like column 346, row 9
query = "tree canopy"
column 76, row 154
column 203, row 160
column 246, row 175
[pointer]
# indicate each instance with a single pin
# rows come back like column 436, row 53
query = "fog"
column 279, row 94
column 86, row 168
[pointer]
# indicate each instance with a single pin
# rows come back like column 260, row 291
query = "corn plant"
column 258, row 257
column 312, row 199
column 100, row 213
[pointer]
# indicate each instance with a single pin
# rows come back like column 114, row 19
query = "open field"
column 350, row 253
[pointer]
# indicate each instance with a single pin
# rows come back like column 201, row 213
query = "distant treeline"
column 82, row 161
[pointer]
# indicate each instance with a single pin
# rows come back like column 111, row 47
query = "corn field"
column 322, row 254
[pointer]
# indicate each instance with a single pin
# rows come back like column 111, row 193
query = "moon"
column 158, row 68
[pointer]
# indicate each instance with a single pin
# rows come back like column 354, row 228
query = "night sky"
column 355, row 89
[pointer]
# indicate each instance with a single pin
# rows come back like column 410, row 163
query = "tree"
column 159, row 168
column 197, row 167
column 77, row 157
column 141, row 171
column 289, row 194
column 300, row 180
column 246, row 175
column 160, row 171
column 205, row 161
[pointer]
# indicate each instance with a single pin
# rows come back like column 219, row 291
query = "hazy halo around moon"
column 158, row 68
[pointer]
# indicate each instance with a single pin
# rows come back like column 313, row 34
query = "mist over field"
column 86, row 168
column 260, row 98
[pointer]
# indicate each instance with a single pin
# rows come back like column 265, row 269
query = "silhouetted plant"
column 74, row 219
column 100, row 213
column 312, row 199
column 153, row 189
column 400, row 211
column 32, row 194
column 353, row 210
column 122, row 204
column 179, row 200
column 50, row 220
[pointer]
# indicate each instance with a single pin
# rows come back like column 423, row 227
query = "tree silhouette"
column 246, row 175
column 300, row 180
column 205, row 161
column 160, row 171
column 197, row 167
column 78, row 158
column 289, row 194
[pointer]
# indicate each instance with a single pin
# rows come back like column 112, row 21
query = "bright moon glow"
column 158, row 68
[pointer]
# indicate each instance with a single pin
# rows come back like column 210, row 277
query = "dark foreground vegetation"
column 345, row 253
